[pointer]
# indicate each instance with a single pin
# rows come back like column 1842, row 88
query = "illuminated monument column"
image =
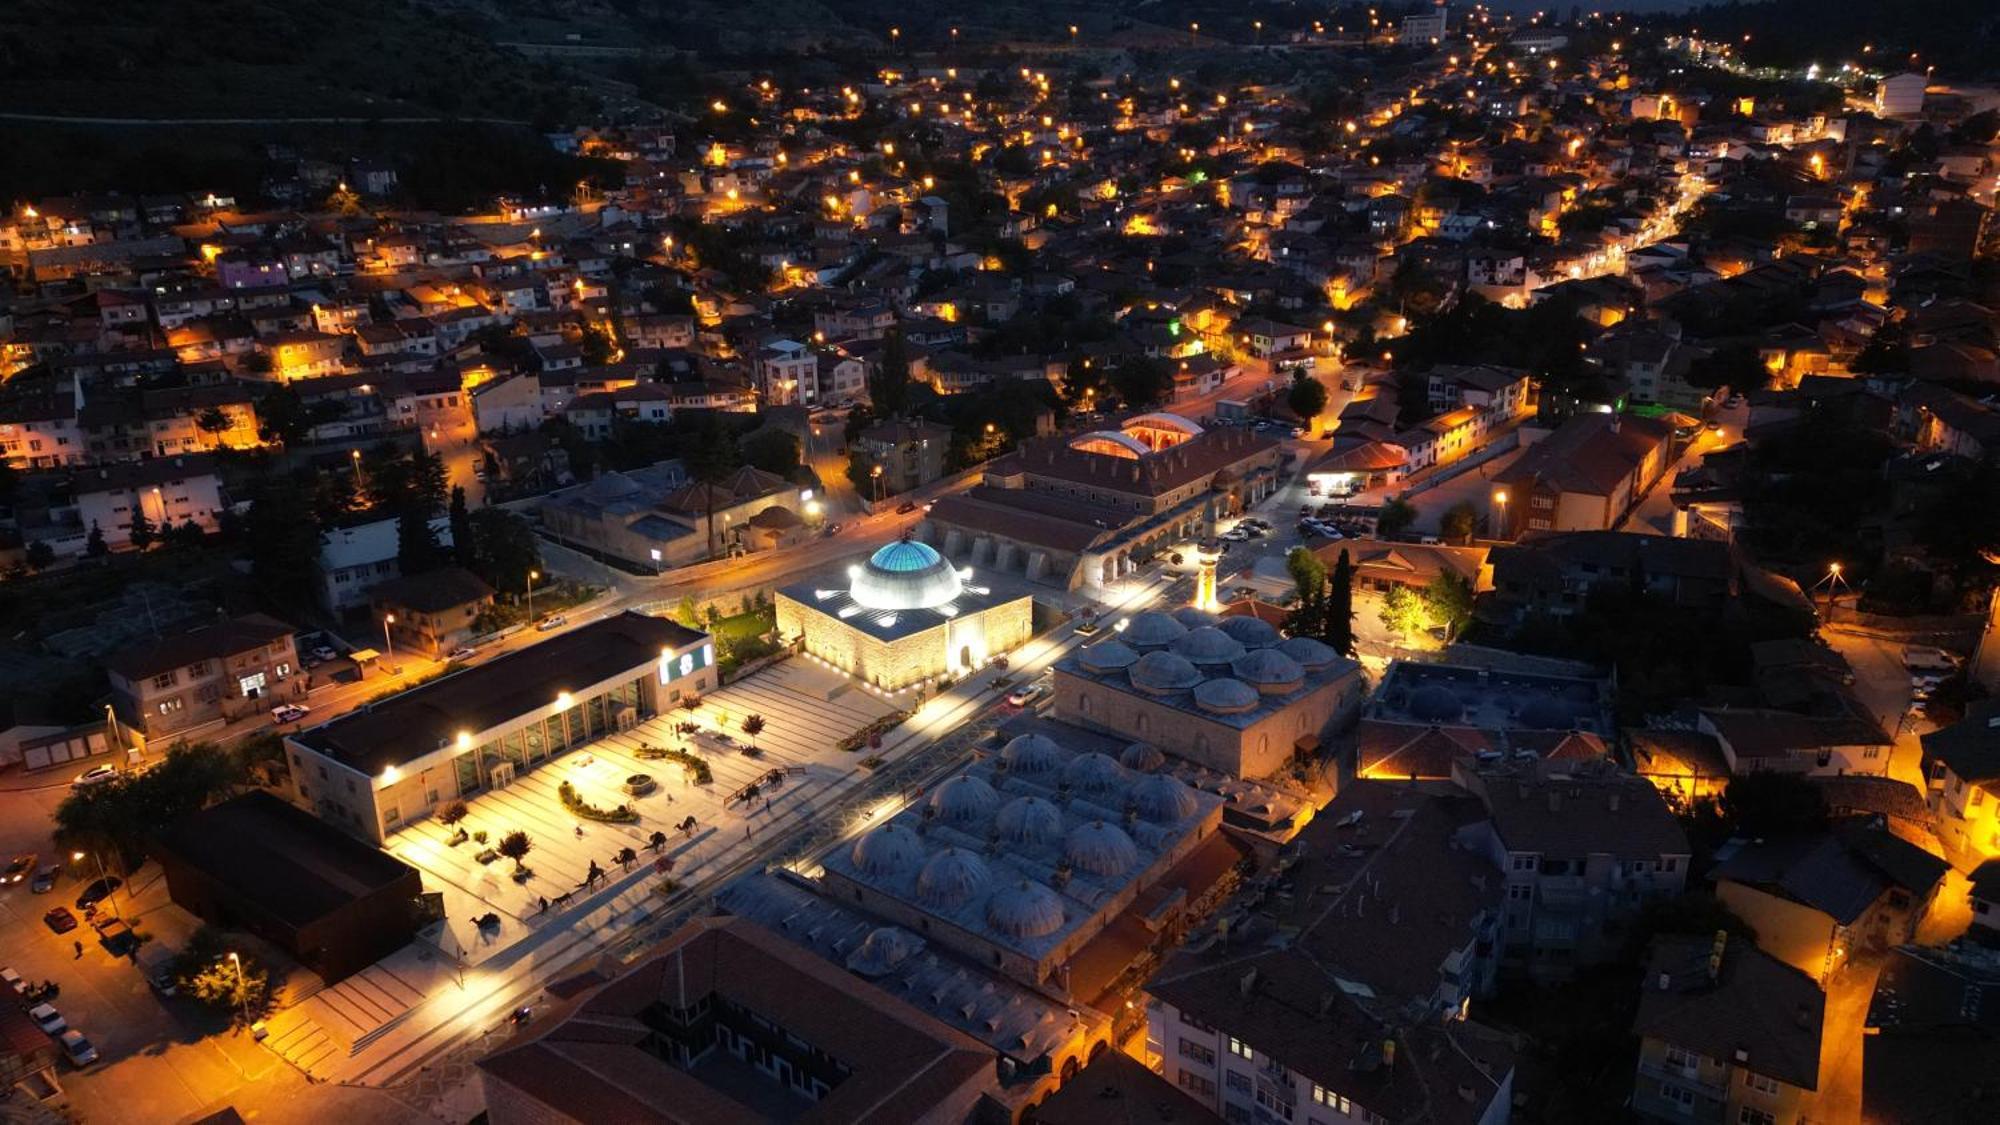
column 1204, row 578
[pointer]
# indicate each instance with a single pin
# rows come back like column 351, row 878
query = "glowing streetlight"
column 532, row 575
column 242, row 986
column 388, row 643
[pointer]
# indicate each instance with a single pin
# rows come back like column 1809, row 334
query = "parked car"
column 98, row 891
column 461, row 653
column 552, row 621
column 906, row 507
column 45, row 878
column 324, row 653
column 47, row 1018
column 1024, row 696
column 60, row 920
column 19, row 869
column 80, row 1050
column 13, row 980
column 289, row 713
column 95, row 775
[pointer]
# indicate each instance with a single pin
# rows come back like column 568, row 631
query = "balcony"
column 1691, row 1079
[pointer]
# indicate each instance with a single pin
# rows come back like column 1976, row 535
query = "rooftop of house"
column 1840, row 873
column 1591, row 454
column 596, row 1057
column 1571, row 813
column 1970, row 747
column 217, row 641
column 1117, row 1089
column 1446, row 694
column 1751, row 1010
column 431, row 716
column 433, row 591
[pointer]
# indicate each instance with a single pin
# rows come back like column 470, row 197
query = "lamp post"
column 388, row 643
column 532, row 575
column 242, row 987
column 876, row 473
column 1500, row 498
column 111, row 896
column 354, row 455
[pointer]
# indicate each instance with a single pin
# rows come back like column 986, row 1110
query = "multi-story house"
column 1580, row 856
column 354, row 560
column 1962, row 772
column 169, row 491
column 218, row 672
column 912, row 454
column 1583, row 477
column 434, row 612
column 41, row 432
column 787, row 373
column 1728, row 1035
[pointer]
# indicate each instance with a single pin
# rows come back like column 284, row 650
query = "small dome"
column 905, row 574
column 1107, row 656
column 1250, row 632
column 1025, row 910
column 1268, row 670
column 1436, row 703
column 1101, row 849
column 889, row 850
column 1194, row 618
column 1031, row 754
column 1029, row 820
column 964, row 799
column 952, row 878
column 1162, row 798
column 1143, row 757
column 1208, row 645
column 882, row 950
column 1310, row 652
column 1543, row 713
column 1153, row 630
column 1163, row 672
column 1093, row 773
column 1225, row 696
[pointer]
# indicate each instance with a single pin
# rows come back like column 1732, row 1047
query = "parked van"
column 1928, row 658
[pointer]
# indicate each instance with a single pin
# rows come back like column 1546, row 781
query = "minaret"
column 1204, row 577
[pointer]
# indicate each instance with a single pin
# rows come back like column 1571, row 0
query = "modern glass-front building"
column 375, row 770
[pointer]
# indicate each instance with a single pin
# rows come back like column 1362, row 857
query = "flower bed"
column 867, row 734
column 694, row 765
column 622, row 814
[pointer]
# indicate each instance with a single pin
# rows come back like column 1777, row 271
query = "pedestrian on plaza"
column 579, row 831
column 79, row 951
column 545, row 903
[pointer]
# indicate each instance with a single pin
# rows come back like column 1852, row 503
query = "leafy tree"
column 417, row 549
column 1448, row 602
column 1337, row 629
column 41, row 556
column 216, row 976
column 710, row 458
column 186, row 534
column 687, row 613
column 1397, row 516
column 212, row 421
column 515, row 845
column 889, row 385
column 1402, row 611
column 143, row 533
column 1142, row 381
column 505, row 549
column 120, row 816
column 1460, row 522
column 753, row 725
column 1084, row 385
column 94, row 546
column 774, row 451
column 282, row 416
column 1308, row 573
column 861, row 473
column 284, row 542
column 1306, row 398
column 452, row 812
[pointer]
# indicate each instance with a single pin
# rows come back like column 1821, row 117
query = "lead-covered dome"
column 1544, row 713
column 1268, row 670
column 1310, row 652
column 883, row 949
column 1162, row 673
column 1153, row 630
column 1093, row 773
column 964, row 799
column 1107, row 656
column 1029, row 820
column 1224, row 696
column 1025, row 910
column 1208, row 645
column 1436, row 703
column 1101, row 849
column 889, row 850
column 1162, row 799
column 952, row 878
column 1143, row 757
column 1250, row 632
column 1193, row 618
column 1030, row 754
column 905, row 574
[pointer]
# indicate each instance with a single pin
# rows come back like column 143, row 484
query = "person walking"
column 79, row 950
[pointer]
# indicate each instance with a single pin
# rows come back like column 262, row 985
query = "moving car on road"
column 95, row 775
column 289, row 713
column 45, row 878
column 552, row 621
column 1026, row 695
column 18, row 870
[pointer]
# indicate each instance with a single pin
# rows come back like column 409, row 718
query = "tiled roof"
column 209, row 642
column 1757, row 1005
column 1590, row 454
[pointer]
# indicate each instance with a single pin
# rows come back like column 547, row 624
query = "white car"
column 47, row 1018
column 462, row 652
column 552, row 621
column 323, row 653
column 80, row 1050
column 95, row 775
column 1024, row 696
column 289, row 713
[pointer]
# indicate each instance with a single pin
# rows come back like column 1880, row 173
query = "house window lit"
column 1240, row 1049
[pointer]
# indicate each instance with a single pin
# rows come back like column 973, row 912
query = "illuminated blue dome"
column 905, row 574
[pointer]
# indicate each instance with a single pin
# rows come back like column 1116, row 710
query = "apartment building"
column 1728, row 1035
column 218, row 672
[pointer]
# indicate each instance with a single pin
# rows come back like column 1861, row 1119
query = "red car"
column 60, row 920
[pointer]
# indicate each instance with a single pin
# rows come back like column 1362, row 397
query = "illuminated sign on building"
column 674, row 666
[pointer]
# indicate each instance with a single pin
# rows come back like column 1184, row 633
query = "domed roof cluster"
column 964, row 799
column 1544, row 713
column 1108, row 656
column 883, row 949
column 1025, row 910
column 1153, row 630
column 1311, row 653
column 1029, row 820
column 1143, row 757
column 952, row 878
column 1163, row 673
column 905, row 574
column 1269, row 671
column 1093, row 773
column 1250, row 632
column 1163, row 798
column 1101, row 849
column 1193, row 618
column 1208, row 645
column 1031, row 754
column 1224, row 696
column 1436, row 703
column 889, row 850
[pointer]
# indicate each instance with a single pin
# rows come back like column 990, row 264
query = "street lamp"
column 355, row 456
column 242, row 987
column 111, row 896
column 388, row 643
column 876, row 472
column 1500, row 498
column 532, row 575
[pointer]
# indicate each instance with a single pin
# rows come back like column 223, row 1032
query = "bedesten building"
column 906, row 615
column 375, row 770
column 1228, row 694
